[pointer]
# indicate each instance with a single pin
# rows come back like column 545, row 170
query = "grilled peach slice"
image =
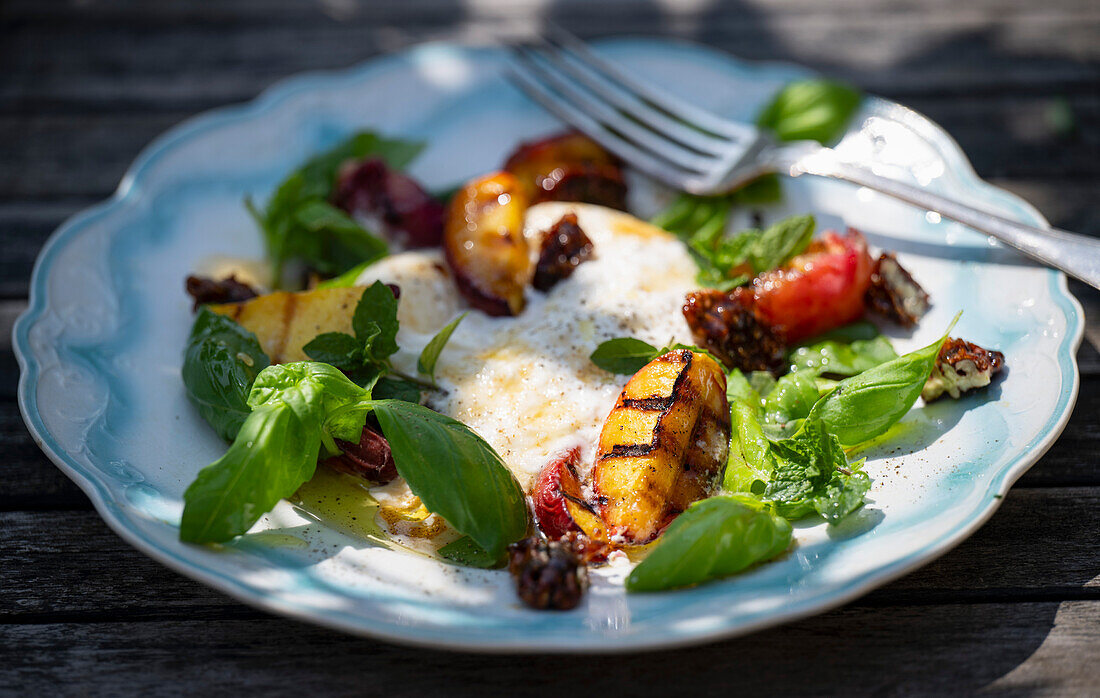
column 568, row 167
column 484, row 245
column 818, row 290
column 663, row 446
column 285, row 322
column 559, row 503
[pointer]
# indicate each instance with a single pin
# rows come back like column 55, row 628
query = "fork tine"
column 659, row 169
column 598, row 109
column 633, row 106
column 656, row 98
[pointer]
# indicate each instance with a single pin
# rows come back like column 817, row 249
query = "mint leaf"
column 842, row 495
column 455, row 473
column 713, row 538
column 220, row 363
column 814, row 109
column 804, row 466
column 624, row 355
column 375, row 321
column 780, row 242
column 425, row 364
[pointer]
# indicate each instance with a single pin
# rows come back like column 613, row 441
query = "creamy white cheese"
column 525, row 383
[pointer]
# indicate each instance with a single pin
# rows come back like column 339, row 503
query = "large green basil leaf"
column 817, row 110
column 714, row 538
column 750, row 461
column 843, row 352
column 867, row 404
column 793, row 396
column 624, row 355
column 220, row 363
column 275, row 451
column 455, row 473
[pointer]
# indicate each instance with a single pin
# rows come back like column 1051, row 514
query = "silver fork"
column 695, row 151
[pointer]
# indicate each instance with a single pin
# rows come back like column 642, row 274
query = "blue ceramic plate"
column 100, row 349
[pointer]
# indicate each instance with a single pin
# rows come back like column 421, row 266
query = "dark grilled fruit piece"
column 727, row 325
column 205, row 290
column 563, row 249
column 894, row 294
column 369, row 459
column 663, row 446
column 412, row 217
column 549, row 574
column 568, row 167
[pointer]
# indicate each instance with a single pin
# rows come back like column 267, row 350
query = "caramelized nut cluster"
column 894, row 294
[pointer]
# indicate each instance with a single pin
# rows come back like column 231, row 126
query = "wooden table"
column 84, row 85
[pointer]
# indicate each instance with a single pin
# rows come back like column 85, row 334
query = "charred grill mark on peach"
column 647, row 466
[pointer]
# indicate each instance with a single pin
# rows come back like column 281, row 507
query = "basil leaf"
column 299, row 223
column 465, row 551
column 425, row 364
column 624, row 355
column 780, row 242
column 844, row 352
column 275, row 451
column 750, row 461
column 455, row 473
column 375, row 320
column 336, row 348
column 792, row 398
column 762, row 382
column 738, row 388
column 395, row 388
column 220, row 363
column 762, row 190
column 867, row 404
column 817, row 110
column 320, row 218
column 713, row 538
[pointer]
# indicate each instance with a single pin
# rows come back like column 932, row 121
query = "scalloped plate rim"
column 129, row 190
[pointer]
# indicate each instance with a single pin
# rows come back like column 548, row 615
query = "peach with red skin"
column 484, row 245
column 551, row 514
column 819, row 290
column 568, row 167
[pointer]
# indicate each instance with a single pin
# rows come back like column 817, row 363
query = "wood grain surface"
column 85, row 84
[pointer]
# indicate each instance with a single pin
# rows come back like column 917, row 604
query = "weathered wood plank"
column 144, row 66
column 1036, row 547
column 932, row 650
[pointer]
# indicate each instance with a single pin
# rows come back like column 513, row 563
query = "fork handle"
column 1076, row 255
